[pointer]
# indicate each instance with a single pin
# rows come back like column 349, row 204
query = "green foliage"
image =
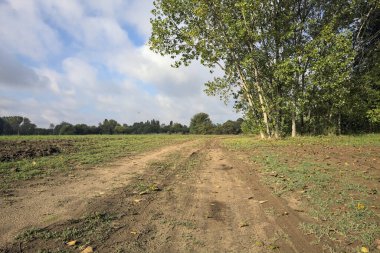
column 65, row 129
column 228, row 127
column 108, row 126
column 93, row 227
column 20, row 125
column 201, row 124
column 374, row 116
column 249, row 127
column 16, row 125
column 287, row 64
column 120, row 129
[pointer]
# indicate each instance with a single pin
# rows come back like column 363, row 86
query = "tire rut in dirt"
column 198, row 200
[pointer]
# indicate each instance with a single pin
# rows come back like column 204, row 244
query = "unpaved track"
column 215, row 209
column 215, row 206
column 43, row 202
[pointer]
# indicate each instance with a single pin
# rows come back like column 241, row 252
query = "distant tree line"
column 200, row 124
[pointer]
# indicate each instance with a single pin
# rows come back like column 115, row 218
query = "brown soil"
column 207, row 201
column 16, row 150
column 362, row 164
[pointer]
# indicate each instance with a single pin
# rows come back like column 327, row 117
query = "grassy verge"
column 340, row 197
column 86, row 152
column 93, row 227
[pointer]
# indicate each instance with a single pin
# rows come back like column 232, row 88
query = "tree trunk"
column 276, row 130
column 262, row 103
column 265, row 116
column 294, row 125
column 250, row 99
column 339, row 125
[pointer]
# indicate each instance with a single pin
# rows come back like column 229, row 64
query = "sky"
column 82, row 61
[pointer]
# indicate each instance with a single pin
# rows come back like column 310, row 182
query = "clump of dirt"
column 17, row 150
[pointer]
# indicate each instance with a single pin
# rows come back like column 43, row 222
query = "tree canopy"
column 201, row 124
column 288, row 65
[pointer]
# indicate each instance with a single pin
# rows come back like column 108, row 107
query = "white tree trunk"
column 294, row 126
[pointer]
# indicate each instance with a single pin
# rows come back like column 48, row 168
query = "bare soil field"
column 16, row 150
column 216, row 194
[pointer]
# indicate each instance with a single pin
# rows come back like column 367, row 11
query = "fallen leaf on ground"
column 360, row 206
column 133, row 233
column 88, row 249
column 274, row 174
column 259, row 243
column 244, row 224
column 263, row 201
column 71, row 243
column 137, row 200
column 156, row 188
column 273, row 247
column 364, row 250
column 143, row 192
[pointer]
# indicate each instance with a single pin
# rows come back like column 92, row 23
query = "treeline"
column 18, row 125
column 113, row 127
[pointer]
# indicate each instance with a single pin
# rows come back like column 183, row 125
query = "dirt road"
column 42, row 202
column 205, row 200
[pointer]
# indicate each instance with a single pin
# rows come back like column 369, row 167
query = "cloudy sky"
column 82, row 61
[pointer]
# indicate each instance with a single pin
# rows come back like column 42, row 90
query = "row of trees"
column 292, row 67
column 200, row 124
column 17, row 125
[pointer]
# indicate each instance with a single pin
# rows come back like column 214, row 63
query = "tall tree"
column 27, row 127
column 201, row 123
column 271, row 53
column 14, row 123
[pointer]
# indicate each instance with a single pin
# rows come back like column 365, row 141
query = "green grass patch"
column 249, row 142
column 95, row 227
column 332, row 194
column 87, row 151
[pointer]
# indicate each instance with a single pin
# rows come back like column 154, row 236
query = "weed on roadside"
column 91, row 229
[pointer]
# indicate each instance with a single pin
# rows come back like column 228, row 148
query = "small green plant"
column 94, row 227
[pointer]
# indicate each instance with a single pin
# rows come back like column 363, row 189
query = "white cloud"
column 98, row 73
column 22, row 30
column 52, row 78
column 79, row 73
column 138, row 14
